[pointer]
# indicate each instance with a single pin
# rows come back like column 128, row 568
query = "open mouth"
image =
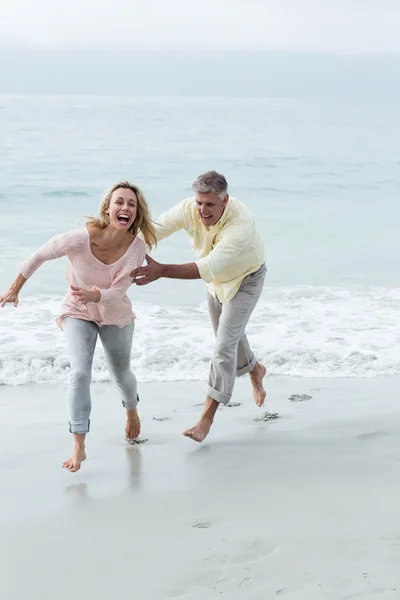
column 123, row 219
column 207, row 218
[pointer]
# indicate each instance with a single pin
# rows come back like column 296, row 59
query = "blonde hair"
column 142, row 223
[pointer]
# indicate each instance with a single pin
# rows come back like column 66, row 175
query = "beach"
column 303, row 506
column 296, row 104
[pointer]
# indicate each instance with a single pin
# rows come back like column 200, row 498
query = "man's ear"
column 225, row 200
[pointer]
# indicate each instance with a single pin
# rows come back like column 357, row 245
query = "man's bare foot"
column 74, row 463
column 256, row 376
column 200, row 431
column 132, row 428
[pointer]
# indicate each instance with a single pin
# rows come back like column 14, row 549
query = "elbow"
column 204, row 270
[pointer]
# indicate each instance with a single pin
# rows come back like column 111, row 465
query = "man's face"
column 210, row 207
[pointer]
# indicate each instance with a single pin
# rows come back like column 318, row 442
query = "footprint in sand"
column 161, row 419
column 242, row 553
column 370, row 435
column 251, row 551
column 230, row 405
column 299, row 397
column 232, row 567
column 202, row 524
column 137, row 441
column 267, row 416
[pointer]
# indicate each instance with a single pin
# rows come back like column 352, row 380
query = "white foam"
column 302, row 331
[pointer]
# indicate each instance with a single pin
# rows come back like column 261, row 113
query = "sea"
column 321, row 177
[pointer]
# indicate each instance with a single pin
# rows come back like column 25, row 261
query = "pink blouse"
column 86, row 271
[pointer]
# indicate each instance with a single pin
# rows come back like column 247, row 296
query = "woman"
column 100, row 259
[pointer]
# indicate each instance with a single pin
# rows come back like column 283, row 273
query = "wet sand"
column 303, row 507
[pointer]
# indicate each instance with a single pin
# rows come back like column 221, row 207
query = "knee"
column 224, row 352
column 227, row 340
column 80, row 378
column 124, row 376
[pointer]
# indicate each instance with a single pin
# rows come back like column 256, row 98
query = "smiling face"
column 122, row 210
column 210, row 207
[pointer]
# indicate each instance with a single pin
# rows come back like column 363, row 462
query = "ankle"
column 210, row 408
column 79, row 441
column 206, row 418
column 256, row 370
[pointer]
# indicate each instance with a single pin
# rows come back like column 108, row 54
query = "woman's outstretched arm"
column 58, row 246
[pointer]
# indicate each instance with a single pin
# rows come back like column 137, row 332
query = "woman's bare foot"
column 200, row 431
column 78, row 454
column 74, row 463
column 132, row 428
column 256, row 376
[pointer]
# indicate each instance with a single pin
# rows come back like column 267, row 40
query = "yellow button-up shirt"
column 227, row 252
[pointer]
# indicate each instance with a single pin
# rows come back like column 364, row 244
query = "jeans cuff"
column 132, row 404
column 79, row 428
column 248, row 368
column 218, row 396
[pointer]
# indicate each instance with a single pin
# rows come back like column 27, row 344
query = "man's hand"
column 85, row 296
column 151, row 272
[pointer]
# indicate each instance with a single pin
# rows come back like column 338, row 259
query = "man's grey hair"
column 211, row 183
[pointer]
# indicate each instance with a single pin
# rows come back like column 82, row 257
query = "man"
column 231, row 261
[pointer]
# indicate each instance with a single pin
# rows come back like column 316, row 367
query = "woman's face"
column 123, row 209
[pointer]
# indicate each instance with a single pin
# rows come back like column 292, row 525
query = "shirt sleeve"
column 173, row 220
column 58, row 246
column 227, row 260
column 116, row 290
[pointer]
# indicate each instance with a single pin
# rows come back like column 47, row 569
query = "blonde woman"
column 100, row 259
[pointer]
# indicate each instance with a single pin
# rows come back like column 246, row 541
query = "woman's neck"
column 114, row 238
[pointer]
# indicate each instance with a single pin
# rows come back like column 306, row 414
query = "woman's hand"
column 85, row 296
column 9, row 296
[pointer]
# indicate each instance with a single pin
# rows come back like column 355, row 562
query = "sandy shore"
column 302, row 507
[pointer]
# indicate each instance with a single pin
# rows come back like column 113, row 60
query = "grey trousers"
column 233, row 355
column 81, row 337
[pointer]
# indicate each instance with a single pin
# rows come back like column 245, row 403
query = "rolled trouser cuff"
column 248, row 368
column 131, row 404
column 218, row 396
column 79, row 428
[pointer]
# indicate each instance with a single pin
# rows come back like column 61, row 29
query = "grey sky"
column 203, row 26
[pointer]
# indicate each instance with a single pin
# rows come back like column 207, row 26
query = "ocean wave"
column 301, row 331
column 65, row 193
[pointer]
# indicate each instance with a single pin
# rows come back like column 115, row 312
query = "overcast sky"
column 204, row 26
column 202, row 47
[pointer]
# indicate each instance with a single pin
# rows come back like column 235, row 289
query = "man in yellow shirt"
column 230, row 259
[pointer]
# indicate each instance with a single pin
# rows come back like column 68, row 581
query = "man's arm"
column 172, row 220
column 225, row 262
column 155, row 270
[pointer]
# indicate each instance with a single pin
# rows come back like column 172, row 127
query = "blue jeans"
column 81, row 337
